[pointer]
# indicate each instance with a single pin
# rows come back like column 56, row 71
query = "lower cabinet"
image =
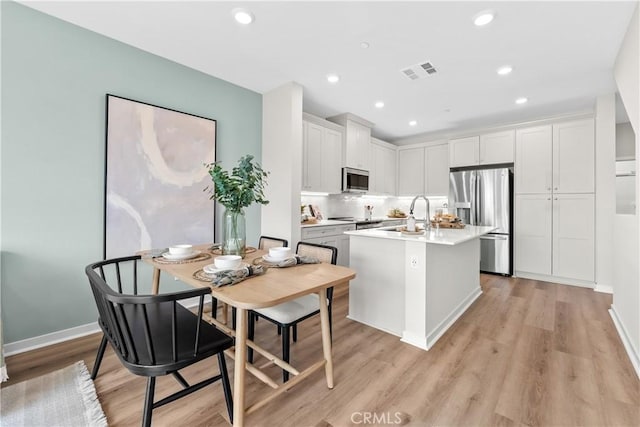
column 555, row 236
column 330, row 236
column 533, row 228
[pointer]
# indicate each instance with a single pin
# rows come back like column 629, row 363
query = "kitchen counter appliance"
column 355, row 180
column 484, row 197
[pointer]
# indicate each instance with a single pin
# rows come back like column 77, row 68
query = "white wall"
column 626, row 291
column 282, row 157
column 625, row 142
column 605, row 189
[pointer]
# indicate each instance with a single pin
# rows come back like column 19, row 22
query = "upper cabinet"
column 411, row 171
column 497, row 147
column 436, row 171
column 358, row 146
column 464, row 151
column 533, row 160
column 357, row 149
column 574, row 157
column 557, row 158
column 424, row 170
column 321, row 157
column 486, row 149
column 382, row 175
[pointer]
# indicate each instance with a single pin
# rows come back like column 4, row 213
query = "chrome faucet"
column 427, row 222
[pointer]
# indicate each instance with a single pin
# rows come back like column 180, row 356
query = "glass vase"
column 235, row 233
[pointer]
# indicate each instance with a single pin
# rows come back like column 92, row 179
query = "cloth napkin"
column 296, row 260
column 231, row 277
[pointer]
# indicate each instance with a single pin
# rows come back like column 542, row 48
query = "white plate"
column 275, row 260
column 212, row 269
column 172, row 257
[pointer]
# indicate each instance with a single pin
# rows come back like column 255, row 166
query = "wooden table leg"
column 326, row 337
column 155, row 285
column 239, row 367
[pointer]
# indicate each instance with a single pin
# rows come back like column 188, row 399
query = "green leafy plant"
column 240, row 188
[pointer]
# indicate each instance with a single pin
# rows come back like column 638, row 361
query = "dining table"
column 275, row 286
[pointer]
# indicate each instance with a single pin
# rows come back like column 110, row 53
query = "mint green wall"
column 54, row 80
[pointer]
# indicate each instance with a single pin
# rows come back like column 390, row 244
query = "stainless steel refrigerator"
column 485, row 197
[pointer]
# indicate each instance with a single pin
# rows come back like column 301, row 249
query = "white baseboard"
column 50, row 339
column 444, row 326
column 605, row 289
column 622, row 332
column 415, row 340
column 56, row 337
column 554, row 279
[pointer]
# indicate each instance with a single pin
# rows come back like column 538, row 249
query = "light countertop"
column 443, row 236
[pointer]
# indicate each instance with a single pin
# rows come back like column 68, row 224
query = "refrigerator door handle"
column 474, row 199
column 493, row 237
column 478, row 205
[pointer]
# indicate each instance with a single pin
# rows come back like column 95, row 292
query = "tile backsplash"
column 336, row 205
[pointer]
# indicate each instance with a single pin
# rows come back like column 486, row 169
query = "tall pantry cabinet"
column 555, row 202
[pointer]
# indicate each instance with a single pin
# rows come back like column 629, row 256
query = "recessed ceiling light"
column 483, row 18
column 379, row 104
column 521, row 100
column 364, row 45
column 413, row 123
column 242, row 16
column 503, row 71
column 333, row 78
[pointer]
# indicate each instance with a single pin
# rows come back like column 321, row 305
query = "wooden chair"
column 287, row 315
column 267, row 243
column 153, row 335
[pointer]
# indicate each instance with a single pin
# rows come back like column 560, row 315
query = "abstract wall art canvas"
column 155, row 177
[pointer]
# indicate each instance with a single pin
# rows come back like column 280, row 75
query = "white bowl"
column 180, row 249
column 227, row 261
column 279, row 253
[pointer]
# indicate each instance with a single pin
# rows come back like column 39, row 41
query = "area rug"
column 65, row 398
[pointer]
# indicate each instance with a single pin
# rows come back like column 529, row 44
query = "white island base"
column 414, row 287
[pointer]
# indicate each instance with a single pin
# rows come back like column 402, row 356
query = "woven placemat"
column 248, row 250
column 201, row 257
column 202, row 276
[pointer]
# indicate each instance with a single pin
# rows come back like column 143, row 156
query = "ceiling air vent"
column 417, row 71
column 410, row 73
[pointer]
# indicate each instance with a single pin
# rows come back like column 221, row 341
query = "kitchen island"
column 414, row 286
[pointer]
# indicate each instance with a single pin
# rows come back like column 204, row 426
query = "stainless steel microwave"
column 355, row 180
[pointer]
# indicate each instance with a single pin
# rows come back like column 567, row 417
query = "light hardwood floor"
column 525, row 353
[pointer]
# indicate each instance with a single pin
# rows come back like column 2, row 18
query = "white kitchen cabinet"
column 573, row 236
column 555, row 210
column 321, row 158
column 330, row 236
column 557, row 158
column 411, row 171
column 436, row 171
column 574, row 157
column 487, row 149
column 497, row 147
column 464, row 151
column 533, row 228
column 382, row 175
column 554, row 235
column 533, row 162
column 358, row 146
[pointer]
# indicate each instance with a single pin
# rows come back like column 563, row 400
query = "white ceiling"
column 562, row 53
